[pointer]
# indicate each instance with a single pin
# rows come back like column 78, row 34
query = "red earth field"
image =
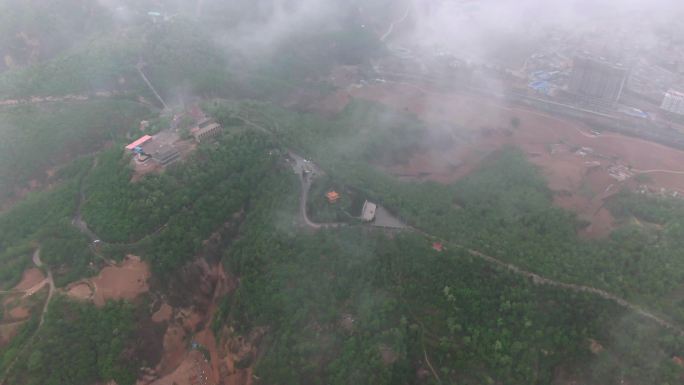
column 183, row 365
column 124, row 281
column 31, row 278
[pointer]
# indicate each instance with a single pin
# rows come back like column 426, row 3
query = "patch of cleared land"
column 124, row 281
column 163, row 314
column 31, row 278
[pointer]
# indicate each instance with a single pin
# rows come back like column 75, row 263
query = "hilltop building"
column 368, row 211
column 138, row 143
column 333, row 196
column 166, row 155
column 596, row 83
column 205, row 129
column 162, row 147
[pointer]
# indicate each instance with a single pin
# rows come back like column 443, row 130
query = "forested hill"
column 234, row 264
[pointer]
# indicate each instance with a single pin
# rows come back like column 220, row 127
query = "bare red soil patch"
column 175, row 347
column 163, row 314
column 141, row 169
column 125, row 281
column 9, row 331
column 182, row 363
column 20, row 313
column 81, row 291
column 582, row 168
column 31, row 278
column 189, row 372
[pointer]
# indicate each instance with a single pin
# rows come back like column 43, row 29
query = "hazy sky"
column 476, row 28
column 480, row 27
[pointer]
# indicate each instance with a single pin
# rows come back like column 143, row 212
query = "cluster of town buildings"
column 598, row 83
column 611, row 70
column 618, row 67
column 163, row 149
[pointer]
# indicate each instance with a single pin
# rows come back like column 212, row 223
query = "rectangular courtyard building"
column 166, row 155
column 205, row 129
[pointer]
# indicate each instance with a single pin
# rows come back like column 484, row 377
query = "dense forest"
column 181, row 207
column 79, row 344
column 355, row 306
column 38, row 138
column 21, row 227
column 66, row 251
column 504, row 210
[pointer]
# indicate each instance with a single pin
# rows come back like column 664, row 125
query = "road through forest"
column 536, row 278
column 51, row 286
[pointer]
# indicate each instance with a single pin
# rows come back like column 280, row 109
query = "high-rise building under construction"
column 596, row 83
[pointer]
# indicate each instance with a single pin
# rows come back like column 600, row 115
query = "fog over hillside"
column 341, row 192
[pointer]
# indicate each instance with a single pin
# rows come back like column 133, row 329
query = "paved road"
column 303, row 199
column 307, row 172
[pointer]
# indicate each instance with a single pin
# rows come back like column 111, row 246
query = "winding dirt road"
column 539, row 280
column 305, row 180
column 672, row 172
column 51, row 285
column 395, row 23
column 78, row 222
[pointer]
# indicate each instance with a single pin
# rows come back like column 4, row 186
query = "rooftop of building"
column 368, row 211
column 675, row 93
column 210, row 127
column 161, row 141
column 139, row 142
column 598, row 61
column 205, row 122
column 332, row 196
